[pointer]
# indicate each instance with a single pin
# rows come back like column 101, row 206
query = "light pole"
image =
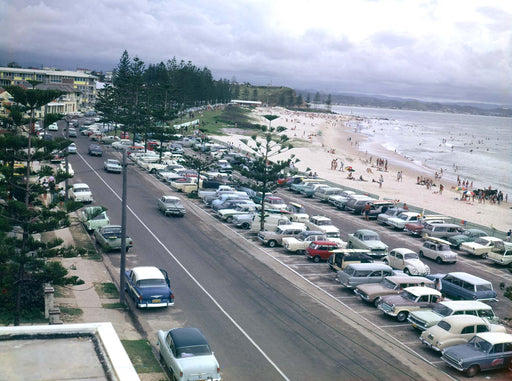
column 123, row 235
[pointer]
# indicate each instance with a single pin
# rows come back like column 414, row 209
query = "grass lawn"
column 106, row 290
column 142, row 356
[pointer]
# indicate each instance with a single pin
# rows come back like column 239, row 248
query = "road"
column 263, row 317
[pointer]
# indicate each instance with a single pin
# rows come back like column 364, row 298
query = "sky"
column 445, row 50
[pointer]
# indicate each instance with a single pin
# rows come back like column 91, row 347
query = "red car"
column 320, row 250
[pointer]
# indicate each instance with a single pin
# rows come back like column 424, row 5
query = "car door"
column 169, row 353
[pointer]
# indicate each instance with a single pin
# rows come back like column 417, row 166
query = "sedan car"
column 480, row 247
column 368, row 240
column 187, row 354
column 455, row 330
column 72, row 148
column 112, row 165
column 95, row 150
column 485, row 351
column 468, row 236
column 171, row 206
column 407, row 261
column 149, row 287
column 411, row 299
column 109, row 238
column 403, row 218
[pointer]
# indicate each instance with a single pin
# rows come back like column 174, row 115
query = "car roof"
column 380, row 202
column 328, row 243
column 403, row 250
column 488, row 238
column 369, row 266
column 80, row 185
column 320, row 218
column 366, row 231
column 188, row 336
column 463, row 319
column 171, row 197
column 147, row 272
column 312, row 232
column 470, row 278
column 410, row 214
column 410, row 279
column 349, row 251
column 496, row 337
column 420, row 290
column 465, row 304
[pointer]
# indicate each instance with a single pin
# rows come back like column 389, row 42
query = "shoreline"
column 320, row 138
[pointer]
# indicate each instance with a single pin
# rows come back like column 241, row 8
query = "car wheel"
column 350, row 245
column 376, row 302
column 153, row 171
column 484, row 255
column 439, row 260
column 272, row 243
column 472, row 371
column 386, row 262
column 421, row 254
column 402, row 316
column 229, row 220
column 406, row 271
column 246, row 225
column 127, row 248
column 316, row 259
column 302, row 252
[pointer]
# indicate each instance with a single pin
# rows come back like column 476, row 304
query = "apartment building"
column 80, row 87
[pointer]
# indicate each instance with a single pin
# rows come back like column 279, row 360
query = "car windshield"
column 389, row 284
column 408, row 296
column 349, row 271
column 80, row 190
column 442, row 310
column 323, row 222
column 173, row 202
column 371, row 237
column 444, row 325
column 403, row 216
column 193, row 350
column 484, row 287
column 410, row 256
column 151, row 283
column 480, row 344
column 481, row 241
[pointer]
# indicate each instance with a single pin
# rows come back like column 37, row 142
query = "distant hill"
column 413, row 104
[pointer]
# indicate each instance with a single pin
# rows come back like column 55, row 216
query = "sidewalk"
column 97, row 300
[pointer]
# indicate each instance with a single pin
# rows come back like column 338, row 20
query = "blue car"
column 149, row 287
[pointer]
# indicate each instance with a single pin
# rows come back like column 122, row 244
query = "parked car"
column 171, row 206
column 95, row 150
column 359, row 273
column 341, row 258
column 309, row 191
column 368, row 240
column 416, row 227
column 441, row 230
column 297, row 212
column 243, row 208
column 485, row 351
column 53, row 127
column 480, row 247
column 355, row 206
column 81, row 192
column 342, row 203
column 94, row 217
column 424, row 319
column 112, row 165
column 339, row 200
column 438, row 250
column 109, row 238
column 399, row 221
column 455, row 330
column 300, row 243
column 72, row 132
column 324, row 193
column 72, row 148
column 391, row 212
column 62, row 169
column 274, row 238
column 320, row 250
column 461, row 285
column 411, row 299
column 407, row 261
column 501, row 254
column 149, row 287
column 391, row 285
column 187, row 354
column 468, row 235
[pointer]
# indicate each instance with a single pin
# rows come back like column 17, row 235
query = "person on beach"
column 406, row 208
column 381, row 180
column 367, row 211
column 441, row 188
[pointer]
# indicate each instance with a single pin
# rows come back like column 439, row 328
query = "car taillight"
column 140, row 298
column 218, row 370
column 181, row 374
column 171, row 296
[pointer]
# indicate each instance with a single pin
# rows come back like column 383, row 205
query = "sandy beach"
column 320, row 138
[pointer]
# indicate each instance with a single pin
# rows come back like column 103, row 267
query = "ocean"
column 476, row 148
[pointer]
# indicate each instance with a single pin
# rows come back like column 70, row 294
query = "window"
column 471, row 312
column 497, row 348
column 481, row 328
column 468, row 330
column 363, row 273
column 507, row 347
column 486, row 314
column 468, row 286
column 376, row 273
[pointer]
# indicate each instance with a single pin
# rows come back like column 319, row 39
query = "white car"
column 81, row 192
column 112, row 165
column 438, row 250
column 481, row 247
column 188, row 355
column 62, row 168
column 403, row 218
column 407, row 261
column 53, row 127
column 72, row 148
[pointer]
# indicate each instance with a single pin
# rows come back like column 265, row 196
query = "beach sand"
column 320, row 138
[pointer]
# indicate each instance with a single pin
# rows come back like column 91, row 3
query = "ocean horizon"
column 474, row 147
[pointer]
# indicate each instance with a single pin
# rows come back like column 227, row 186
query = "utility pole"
column 123, row 235
column 66, row 182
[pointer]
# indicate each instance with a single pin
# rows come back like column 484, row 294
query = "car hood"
column 396, row 220
column 426, row 315
column 199, row 365
column 328, row 229
column 458, row 238
column 376, row 245
column 372, row 288
column 463, row 351
column 396, row 300
column 416, row 263
column 290, row 240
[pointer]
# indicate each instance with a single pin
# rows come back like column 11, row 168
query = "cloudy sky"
column 427, row 49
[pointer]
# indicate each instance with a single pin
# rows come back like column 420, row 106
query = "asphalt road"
column 266, row 314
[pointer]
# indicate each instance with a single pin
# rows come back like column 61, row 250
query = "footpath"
column 97, row 300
